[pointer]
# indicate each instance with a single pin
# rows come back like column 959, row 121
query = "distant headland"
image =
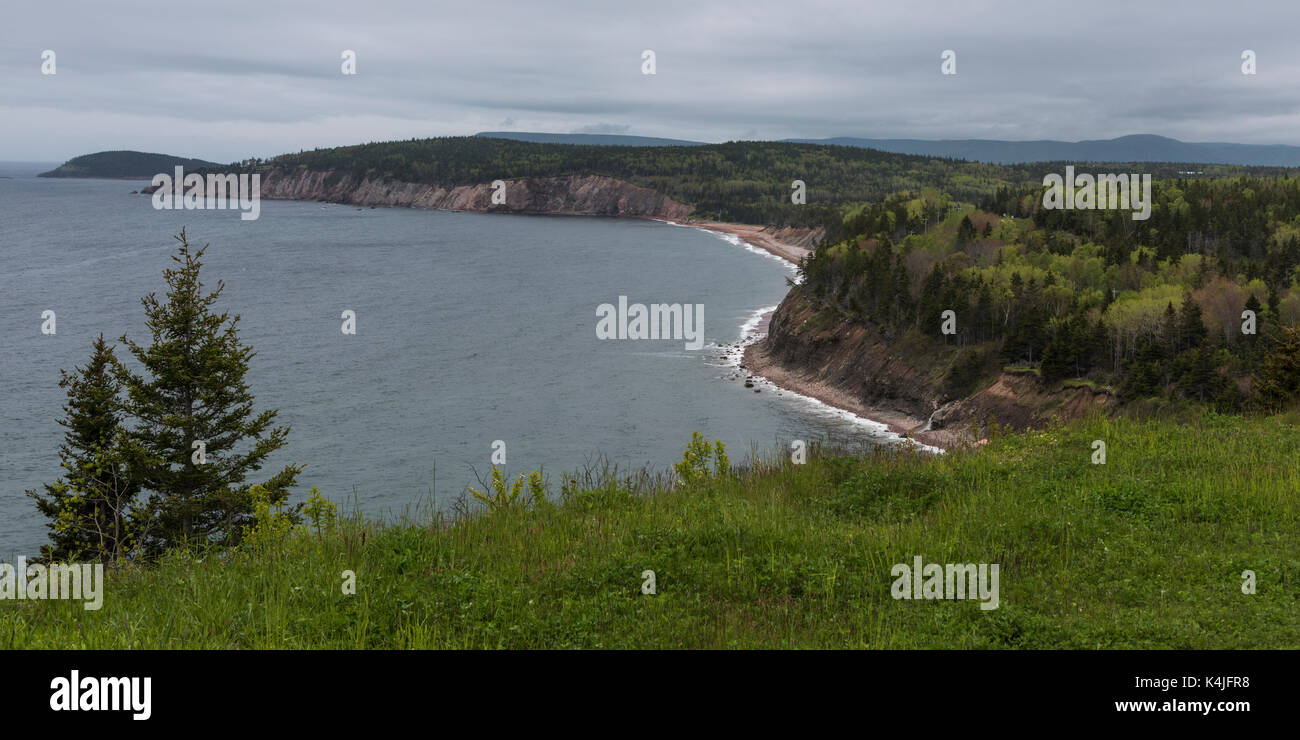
column 127, row 165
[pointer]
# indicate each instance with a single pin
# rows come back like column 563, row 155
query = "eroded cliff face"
column 578, row 195
column 854, row 360
column 803, row 237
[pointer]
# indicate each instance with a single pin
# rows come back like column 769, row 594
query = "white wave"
column 736, row 241
column 733, row 355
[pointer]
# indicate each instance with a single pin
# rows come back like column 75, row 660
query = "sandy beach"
column 756, row 236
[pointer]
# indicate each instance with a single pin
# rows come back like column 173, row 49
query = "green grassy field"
column 1146, row 551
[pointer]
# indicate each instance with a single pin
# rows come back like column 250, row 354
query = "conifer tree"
column 1279, row 377
column 1058, row 356
column 1200, row 379
column 930, row 306
column 1170, row 329
column 966, row 231
column 194, row 414
column 92, row 508
column 1191, row 331
column 1252, row 304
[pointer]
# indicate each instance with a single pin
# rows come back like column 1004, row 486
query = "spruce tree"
column 1200, row 379
column 1279, row 377
column 1098, row 346
column 1144, row 372
column 930, row 307
column 1171, row 330
column 1058, row 357
column 92, row 508
column 1252, row 304
column 1191, row 328
column 966, row 231
column 194, row 414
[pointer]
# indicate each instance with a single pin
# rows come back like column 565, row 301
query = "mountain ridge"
column 1130, row 148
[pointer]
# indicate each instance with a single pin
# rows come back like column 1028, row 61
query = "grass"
column 1091, row 385
column 1146, row 551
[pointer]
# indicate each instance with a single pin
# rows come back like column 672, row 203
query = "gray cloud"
column 243, row 78
column 602, row 128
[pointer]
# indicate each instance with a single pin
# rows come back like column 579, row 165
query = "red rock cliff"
column 579, row 195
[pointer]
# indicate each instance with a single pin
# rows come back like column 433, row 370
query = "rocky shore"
column 759, row 360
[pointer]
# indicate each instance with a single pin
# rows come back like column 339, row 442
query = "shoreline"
column 754, row 361
column 751, row 361
column 755, row 236
column 758, row 363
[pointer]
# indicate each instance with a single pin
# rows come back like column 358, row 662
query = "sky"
column 228, row 80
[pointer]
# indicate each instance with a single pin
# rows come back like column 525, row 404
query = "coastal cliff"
column 571, row 195
column 578, row 195
column 906, row 384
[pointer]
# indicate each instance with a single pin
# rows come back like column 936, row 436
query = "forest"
column 1200, row 302
column 746, row 182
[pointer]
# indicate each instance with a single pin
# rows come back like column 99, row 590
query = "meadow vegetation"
column 1145, row 551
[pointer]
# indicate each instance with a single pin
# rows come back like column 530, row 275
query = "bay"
column 471, row 328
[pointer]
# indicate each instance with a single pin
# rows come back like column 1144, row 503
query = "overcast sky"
column 231, row 79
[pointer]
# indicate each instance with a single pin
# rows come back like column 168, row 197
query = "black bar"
column 920, row 689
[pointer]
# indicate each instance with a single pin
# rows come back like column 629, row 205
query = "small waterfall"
column 930, row 421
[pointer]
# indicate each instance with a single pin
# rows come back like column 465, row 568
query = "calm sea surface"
column 471, row 328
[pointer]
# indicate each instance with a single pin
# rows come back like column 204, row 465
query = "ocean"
column 474, row 332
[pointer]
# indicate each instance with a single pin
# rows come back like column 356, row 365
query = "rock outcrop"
column 578, row 195
column 853, row 362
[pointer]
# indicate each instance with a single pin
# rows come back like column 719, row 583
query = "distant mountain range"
column 126, row 165
column 587, row 139
column 1136, row 148
column 1130, row 149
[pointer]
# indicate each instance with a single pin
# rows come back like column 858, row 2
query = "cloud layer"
column 228, row 80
